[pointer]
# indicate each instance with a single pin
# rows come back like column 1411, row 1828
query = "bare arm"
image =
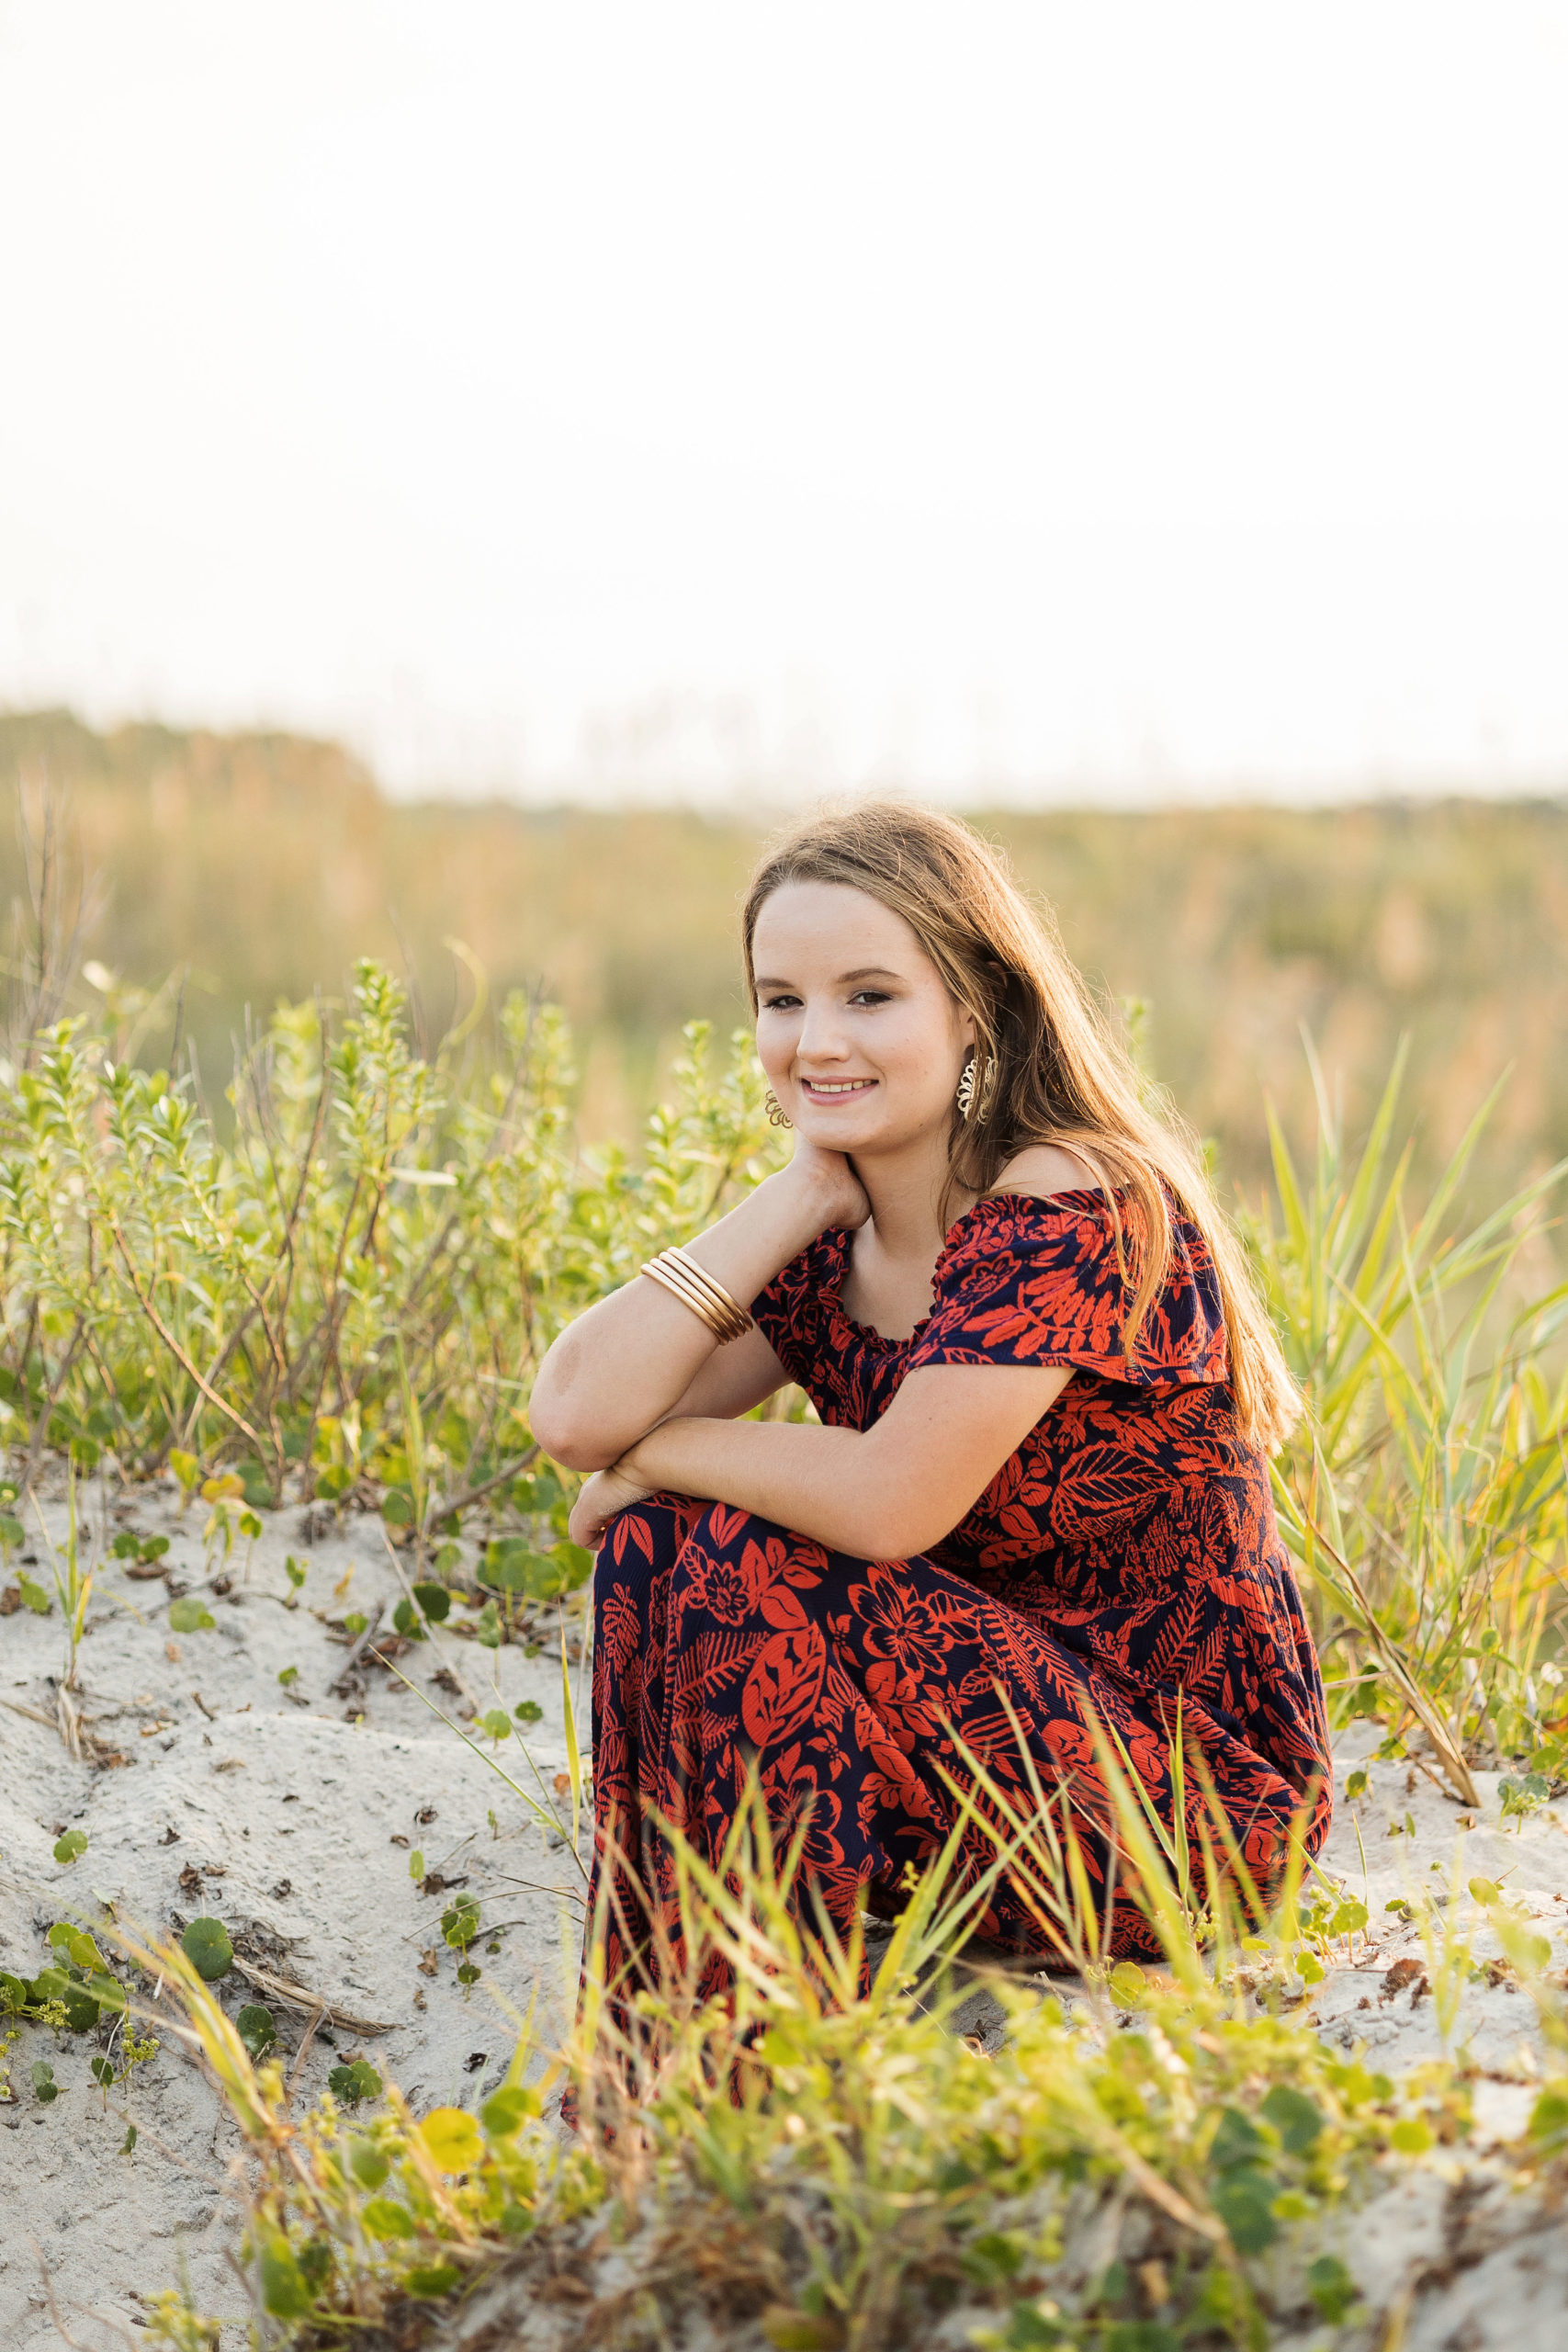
column 640, row 1355
column 882, row 1493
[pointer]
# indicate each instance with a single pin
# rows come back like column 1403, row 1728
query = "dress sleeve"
column 1037, row 1281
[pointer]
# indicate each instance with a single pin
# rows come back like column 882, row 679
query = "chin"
column 838, row 1130
column 849, row 1134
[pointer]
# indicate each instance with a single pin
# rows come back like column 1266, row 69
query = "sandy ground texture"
column 291, row 1811
column 288, row 1812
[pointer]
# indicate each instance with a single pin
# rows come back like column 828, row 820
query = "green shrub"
column 347, row 1296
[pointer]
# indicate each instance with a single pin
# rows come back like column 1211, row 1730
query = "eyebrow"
column 866, row 972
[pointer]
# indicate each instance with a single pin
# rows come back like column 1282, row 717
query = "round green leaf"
column 1127, row 1985
column 1244, row 2200
column 507, row 2110
column 81, row 2009
column 432, row 2281
column 76, row 1944
column 506, row 1565
column 108, row 1993
column 1549, row 2118
column 384, row 2219
column 255, row 2028
column 189, row 1615
column 367, row 2163
column 284, row 2292
column 1294, row 2117
column 206, row 1947
column 1331, row 2288
column 461, row 1922
column 576, row 1566
column 355, row 2081
column 1237, row 2141
column 452, row 2138
column 68, row 1847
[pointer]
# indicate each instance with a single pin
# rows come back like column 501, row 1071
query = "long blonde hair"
column 1048, row 1066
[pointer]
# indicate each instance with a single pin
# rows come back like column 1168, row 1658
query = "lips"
column 836, row 1090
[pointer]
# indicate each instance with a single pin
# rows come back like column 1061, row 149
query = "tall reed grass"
column 271, row 862
column 1424, row 1497
column 1150, row 2158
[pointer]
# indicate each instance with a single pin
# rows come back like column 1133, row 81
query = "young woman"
column 1038, row 1497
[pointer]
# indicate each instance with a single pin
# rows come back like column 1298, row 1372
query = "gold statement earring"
column 965, row 1096
column 774, row 1109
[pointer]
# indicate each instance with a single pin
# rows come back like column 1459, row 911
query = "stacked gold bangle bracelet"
column 685, row 1280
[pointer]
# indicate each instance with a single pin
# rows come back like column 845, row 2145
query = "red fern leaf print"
column 783, row 1685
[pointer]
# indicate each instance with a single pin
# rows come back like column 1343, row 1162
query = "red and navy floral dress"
column 1123, row 1566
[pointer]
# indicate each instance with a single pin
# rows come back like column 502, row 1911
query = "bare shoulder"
column 1044, row 1169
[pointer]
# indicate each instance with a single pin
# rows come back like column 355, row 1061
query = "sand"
column 292, row 1813
column 308, row 1804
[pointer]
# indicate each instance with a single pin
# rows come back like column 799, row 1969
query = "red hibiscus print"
column 728, row 1590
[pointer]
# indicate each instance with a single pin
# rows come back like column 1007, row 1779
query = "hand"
column 598, row 1499
column 838, row 1196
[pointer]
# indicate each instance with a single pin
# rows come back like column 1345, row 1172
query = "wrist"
column 635, row 1463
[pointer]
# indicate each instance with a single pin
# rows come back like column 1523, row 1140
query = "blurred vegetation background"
column 233, row 871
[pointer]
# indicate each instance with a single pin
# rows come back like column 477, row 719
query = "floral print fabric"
column 1124, row 1568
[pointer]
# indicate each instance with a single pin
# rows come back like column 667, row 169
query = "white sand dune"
column 292, row 1813
column 306, row 1814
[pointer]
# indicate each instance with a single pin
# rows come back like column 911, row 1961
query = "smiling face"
column 860, row 1040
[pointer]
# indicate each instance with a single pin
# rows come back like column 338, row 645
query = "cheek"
column 921, row 1057
column 775, row 1043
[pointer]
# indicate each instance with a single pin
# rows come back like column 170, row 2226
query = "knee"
column 752, row 1553
column 722, row 1530
column 640, row 1543
column 724, row 1527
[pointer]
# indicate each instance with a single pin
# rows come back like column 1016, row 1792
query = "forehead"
column 833, row 927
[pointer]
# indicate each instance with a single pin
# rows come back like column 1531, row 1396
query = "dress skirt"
column 856, row 1693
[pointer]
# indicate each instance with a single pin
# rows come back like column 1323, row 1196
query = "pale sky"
column 1035, row 402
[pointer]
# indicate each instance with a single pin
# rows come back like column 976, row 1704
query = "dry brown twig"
column 313, row 2005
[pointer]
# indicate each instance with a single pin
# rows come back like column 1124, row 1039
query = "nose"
column 822, row 1037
